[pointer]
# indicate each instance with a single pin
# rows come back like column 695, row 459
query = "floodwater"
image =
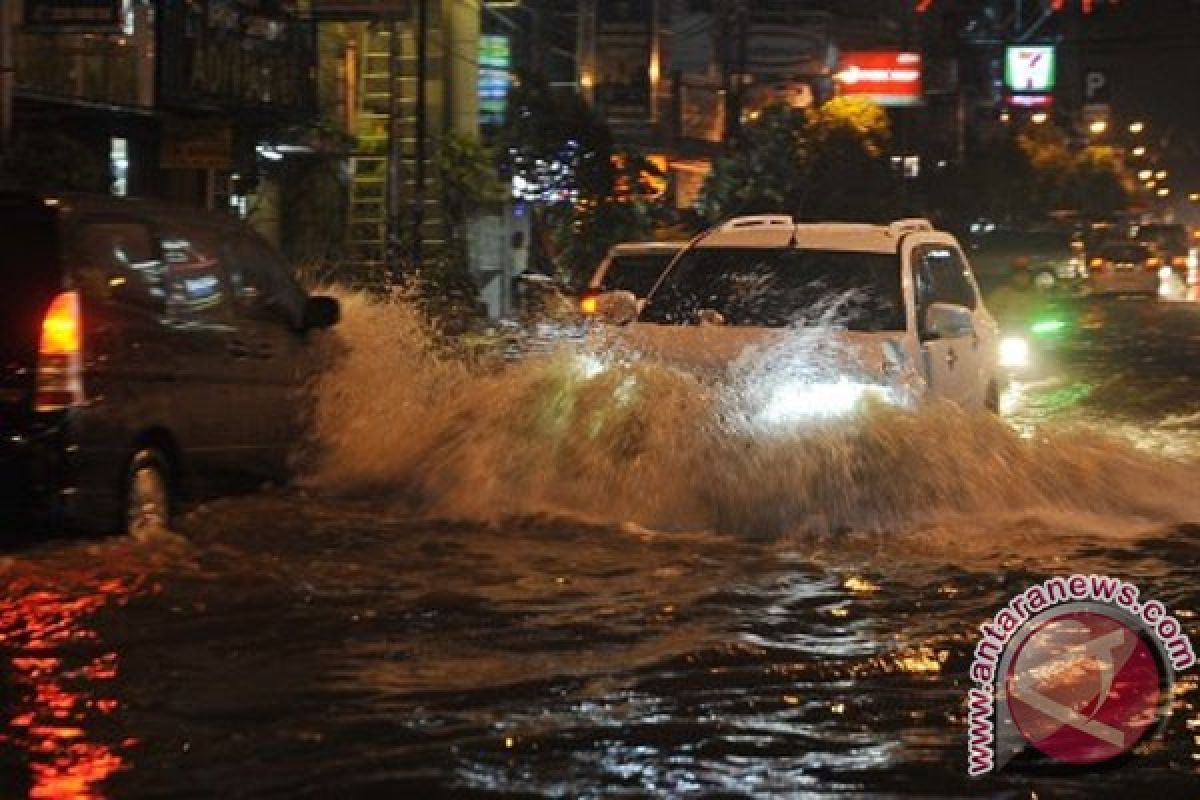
column 557, row 579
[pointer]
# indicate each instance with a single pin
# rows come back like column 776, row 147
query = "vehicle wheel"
column 147, row 493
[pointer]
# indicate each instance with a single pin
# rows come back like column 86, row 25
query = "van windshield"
column 777, row 287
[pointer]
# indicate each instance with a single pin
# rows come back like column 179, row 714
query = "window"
column 942, row 277
column 262, row 284
column 777, row 287
column 635, row 273
column 194, row 285
column 119, row 260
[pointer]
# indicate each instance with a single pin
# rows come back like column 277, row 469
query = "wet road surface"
column 352, row 638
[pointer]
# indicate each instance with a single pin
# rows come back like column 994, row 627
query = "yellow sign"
column 197, row 144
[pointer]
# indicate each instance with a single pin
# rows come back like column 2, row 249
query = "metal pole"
column 6, row 72
column 419, row 187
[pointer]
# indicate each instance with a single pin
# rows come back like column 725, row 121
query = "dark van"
column 148, row 354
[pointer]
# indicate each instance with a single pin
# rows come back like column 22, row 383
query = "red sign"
column 888, row 78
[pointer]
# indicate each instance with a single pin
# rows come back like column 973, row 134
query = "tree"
column 586, row 193
column 1095, row 187
column 765, row 173
column 826, row 163
column 848, row 176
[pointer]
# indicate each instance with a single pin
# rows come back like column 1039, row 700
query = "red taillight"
column 1097, row 263
column 1179, row 262
column 60, row 355
column 1153, row 262
column 590, row 303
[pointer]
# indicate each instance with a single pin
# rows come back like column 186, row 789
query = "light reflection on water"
column 64, row 681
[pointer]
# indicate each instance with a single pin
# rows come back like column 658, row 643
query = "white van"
column 895, row 307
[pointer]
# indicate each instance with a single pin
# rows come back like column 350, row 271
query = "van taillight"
column 60, row 355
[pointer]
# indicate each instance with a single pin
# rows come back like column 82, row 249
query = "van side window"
column 262, row 284
column 943, row 277
column 119, row 260
column 195, row 288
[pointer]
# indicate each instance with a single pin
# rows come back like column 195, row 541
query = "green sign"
column 1030, row 68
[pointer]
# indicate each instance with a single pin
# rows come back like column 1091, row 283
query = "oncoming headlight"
column 1014, row 352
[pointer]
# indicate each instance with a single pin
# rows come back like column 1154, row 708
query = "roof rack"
column 758, row 221
column 910, row 225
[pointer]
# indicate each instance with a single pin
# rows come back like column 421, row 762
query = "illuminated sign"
column 888, row 78
column 495, row 60
column 1029, row 68
column 1030, row 100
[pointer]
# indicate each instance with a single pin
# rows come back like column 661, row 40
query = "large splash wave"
column 399, row 421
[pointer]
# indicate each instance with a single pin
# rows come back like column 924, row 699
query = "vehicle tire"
column 147, row 494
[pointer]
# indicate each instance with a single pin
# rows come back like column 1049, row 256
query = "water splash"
column 398, row 421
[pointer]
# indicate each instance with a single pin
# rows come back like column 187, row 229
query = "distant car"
column 632, row 267
column 896, row 310
column 1168, row 242
column 1053, row 257
column 1124, row 267
column 148, row 354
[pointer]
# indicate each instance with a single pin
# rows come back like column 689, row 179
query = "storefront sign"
column 495, row 79
column 1029, row 68
column 888, row 78
column 90, row 15
column 216, row 54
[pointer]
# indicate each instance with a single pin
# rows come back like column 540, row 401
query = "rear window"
column 777, row 287
column 635, row 273
column 1170, row 238
column 30, row 269
column 1124, row 252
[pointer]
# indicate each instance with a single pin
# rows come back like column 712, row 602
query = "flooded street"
column 545, row 581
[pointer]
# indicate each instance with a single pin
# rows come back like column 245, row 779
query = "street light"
column 1097, row 126
column 1145, row 174
column 1139, row 151
column 1161, row 175
column 1039, row 118
column 1194, row 197
column 1136, row 127
column 1163, row 191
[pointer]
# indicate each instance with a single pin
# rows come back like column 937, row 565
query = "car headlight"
column 803, row 400
column 1014, row 352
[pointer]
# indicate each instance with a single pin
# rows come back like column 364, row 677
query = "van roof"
column 646, row 248
column 773, row 232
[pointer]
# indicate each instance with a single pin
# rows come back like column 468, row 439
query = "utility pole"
column 7, row 74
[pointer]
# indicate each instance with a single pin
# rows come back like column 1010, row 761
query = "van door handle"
column 238, row 349
column 951, row 358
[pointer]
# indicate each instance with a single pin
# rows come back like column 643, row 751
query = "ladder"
column 387, row 103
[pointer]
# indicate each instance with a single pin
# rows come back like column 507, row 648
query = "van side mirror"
column 321, row 312
column 617, row 307
column 947, row 321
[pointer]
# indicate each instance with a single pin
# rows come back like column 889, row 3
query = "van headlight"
column 1014, row 352
column 798, row 400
